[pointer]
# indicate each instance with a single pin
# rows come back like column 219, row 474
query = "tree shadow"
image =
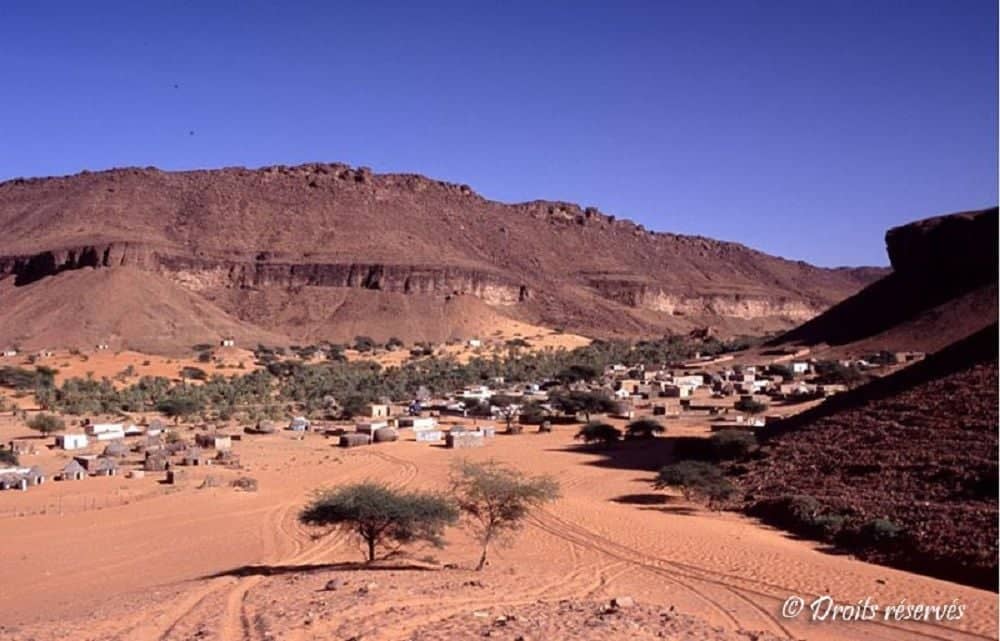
column 647, row 455
column 278, row 570
column 664, row 503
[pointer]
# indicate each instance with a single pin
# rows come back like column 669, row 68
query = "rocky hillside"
column 917, row 449
column 943, row 287
column 902, row 470
column 240, row 237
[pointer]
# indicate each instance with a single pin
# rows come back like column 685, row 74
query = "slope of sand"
column 125, row 308
column 143, row 561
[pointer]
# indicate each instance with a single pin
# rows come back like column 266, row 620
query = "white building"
column 94, row 429
column 800, row 367
column 476, row 393
column 691, row 380
column 475, row 342
column 72, row 441
column 417, row 422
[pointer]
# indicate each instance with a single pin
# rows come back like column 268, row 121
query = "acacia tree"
column 575, row 402
column 509, row 408
column 379, row 514
column 598, row 432
column 644, row 428
column 495, row 499
column 46, row 423
column 750, row 406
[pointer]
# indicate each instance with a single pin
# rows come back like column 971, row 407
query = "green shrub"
column 46, row 423
column 880, row 531
column 7, row 457
column 597, row 432
column 194, row 373
column 800, row 514
column 644, row 428
column 697, row 479
column 750, row 406
column 730, row 445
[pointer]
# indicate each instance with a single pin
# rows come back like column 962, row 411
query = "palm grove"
column 335, row 387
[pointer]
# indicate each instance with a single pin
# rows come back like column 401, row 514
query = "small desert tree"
column 46, row 423
column 597, row 432
column 644, row 428
column 379, row 514
column 575, row 402
column 495, row 499
column 509, row 408
column 750, row 406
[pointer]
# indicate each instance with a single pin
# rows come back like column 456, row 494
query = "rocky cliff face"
column 962, row 246
column 337, row 227
column 943, row 288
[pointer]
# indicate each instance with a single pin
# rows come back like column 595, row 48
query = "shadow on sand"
column 277, row 570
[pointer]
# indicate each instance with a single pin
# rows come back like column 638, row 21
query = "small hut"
column 106, row 466
column 193, row 457
column 13, row 482
column 73, row 471
column 385, row 435
column 175, row 476
column 35, row 476
column 155, row 462
column 354, row 440
column 115, row 449
column 156, row 427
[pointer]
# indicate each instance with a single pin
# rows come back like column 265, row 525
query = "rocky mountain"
column 943, row 287
column 903, row 469
column 323, row 250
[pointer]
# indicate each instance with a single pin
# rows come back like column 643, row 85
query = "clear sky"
column 802, row 128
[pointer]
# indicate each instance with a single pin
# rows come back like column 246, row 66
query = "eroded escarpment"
column 261, row 271
column 654, row 297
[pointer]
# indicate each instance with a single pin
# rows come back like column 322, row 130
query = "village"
column 712, row 393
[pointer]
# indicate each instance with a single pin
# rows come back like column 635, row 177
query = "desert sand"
column 136, row 560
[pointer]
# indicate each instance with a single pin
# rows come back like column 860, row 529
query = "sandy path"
column 589, row 544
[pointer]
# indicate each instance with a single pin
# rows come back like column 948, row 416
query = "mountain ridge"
column 550, row 263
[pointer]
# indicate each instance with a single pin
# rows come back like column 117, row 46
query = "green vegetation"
column 46, row 423
column 751, row 406
column 365, row 343
column 578, row 402
column 380, row 515
column 495, row 499
column 25, row 379
column 597, row 432
column 193, row 373
column 644, row 428
column 7, row 457
column 697, row 479
column 800, row 514
column 730, row 445
column 833, row 373
column 294, row 386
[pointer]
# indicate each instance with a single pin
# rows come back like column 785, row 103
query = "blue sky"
column 801, row 128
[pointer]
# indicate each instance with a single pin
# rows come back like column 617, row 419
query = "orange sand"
column 133, row 559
